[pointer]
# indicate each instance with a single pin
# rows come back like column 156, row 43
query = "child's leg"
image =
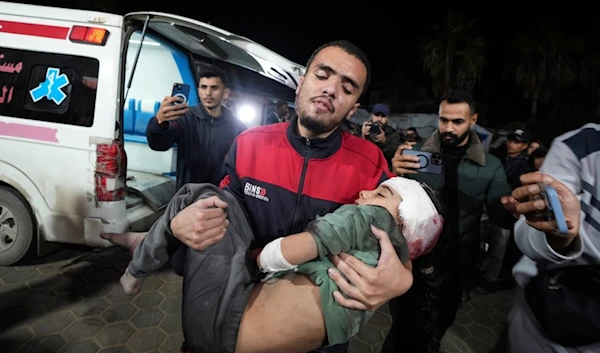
column 129, row 240
column 152, row 251
column 217, row 283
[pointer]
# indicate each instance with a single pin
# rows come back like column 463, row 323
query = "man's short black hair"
column 208, row 71
column 460, row 96
column 280, row 104
column 351, row 49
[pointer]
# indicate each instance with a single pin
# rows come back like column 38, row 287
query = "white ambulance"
column 76, row 91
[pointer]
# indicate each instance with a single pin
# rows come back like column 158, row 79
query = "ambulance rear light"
column 88, row 35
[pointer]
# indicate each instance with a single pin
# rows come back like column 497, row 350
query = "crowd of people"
column 310, row 224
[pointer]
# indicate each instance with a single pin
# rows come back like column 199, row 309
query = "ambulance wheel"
column 16, row 226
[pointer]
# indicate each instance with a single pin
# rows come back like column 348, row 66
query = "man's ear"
column 474, row 119
column 352, row 111
column 300, row 84
column 226, row 92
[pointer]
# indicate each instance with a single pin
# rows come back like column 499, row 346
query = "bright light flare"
column 246, row 113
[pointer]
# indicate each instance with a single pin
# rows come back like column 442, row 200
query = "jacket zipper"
column 301, row 185
column 210, row 131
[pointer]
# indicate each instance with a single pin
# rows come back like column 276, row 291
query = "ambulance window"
column 160, row 64
column 48, row 87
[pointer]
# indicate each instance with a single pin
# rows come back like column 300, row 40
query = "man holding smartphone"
column 470, row 179
column 377, row 130
column 572, row 168
column 203, row 135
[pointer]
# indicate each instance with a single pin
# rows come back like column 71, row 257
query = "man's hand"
column 201, row 224
column 366, row 129
column 522, row 202
column 168, row 112
column 371, row 287
column 380, row 138
column 405, row 164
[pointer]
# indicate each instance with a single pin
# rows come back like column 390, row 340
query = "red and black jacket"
column 285, row 180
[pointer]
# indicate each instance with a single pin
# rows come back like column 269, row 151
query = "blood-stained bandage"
column 421, row 222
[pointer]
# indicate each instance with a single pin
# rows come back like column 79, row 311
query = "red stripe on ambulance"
column 30, row 29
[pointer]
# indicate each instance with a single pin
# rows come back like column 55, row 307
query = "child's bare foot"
column 130, row 284
column 128, row 240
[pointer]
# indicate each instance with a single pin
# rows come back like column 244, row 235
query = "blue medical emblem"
column 52, row 87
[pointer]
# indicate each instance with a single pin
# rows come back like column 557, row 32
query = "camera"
column 436, row 159
column 430, row 162
column 375, row 129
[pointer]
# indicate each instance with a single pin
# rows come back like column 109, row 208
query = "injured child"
column 226, row 310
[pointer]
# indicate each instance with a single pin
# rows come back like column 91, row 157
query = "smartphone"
column 430, row 162
column 375, row 129
column 554, row 210
column 182, row 91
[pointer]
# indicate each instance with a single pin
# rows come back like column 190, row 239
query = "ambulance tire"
column 14, row 249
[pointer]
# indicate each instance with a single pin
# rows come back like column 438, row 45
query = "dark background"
column 550, row 48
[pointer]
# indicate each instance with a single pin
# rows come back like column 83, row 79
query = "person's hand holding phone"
column 404, row 164
column 169, row 111
column 525, row 201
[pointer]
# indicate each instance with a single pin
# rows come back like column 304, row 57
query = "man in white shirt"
column 572, row 167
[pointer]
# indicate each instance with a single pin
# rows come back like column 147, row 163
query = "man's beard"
column 316, row 126
column 313, row 124
column 455, row 141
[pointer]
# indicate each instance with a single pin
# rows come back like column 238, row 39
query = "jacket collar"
column 475, row 152
column 200, row 112
column 319, row 147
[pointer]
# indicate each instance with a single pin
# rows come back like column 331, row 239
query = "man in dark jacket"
column 203, row 133
column 281, row 115
column 503, row 253
column 470, row 180
column 377, row 130
column 514, row 157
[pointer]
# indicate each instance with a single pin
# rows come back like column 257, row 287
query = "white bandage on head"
column 272, row 260
column 422, row 224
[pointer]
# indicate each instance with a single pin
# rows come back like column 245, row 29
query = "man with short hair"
column 471, row 179
column 286, row 175
column 282, row 114
column 203, row 135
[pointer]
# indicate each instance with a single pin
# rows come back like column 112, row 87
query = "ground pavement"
column 71, row 301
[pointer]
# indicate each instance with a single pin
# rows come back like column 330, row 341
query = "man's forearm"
column 540, row 247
